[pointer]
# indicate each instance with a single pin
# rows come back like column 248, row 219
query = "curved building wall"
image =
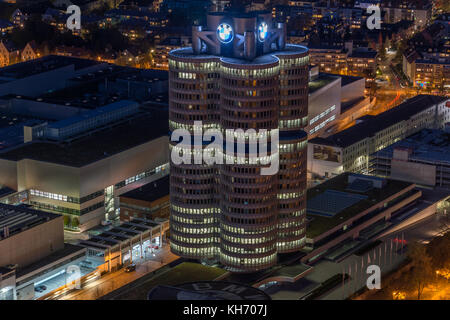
column 248, row 224
column 293, row 152
column 194, row 96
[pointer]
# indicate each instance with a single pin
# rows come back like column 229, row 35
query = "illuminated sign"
column 225, row 33
column 263, row 31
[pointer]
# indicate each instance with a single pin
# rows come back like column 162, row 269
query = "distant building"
column 30, row 52
column 75, row 52
column 426, row 61
column 220, row 5
column 344, row 60
column 161, row 54
column 329, row 59
column 19, row 17
column 362, row 64
column 412, row 10
column 8, row 54
column 5, row 27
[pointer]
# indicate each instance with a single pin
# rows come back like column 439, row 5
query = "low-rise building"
column 421, row 158
column 149, row 201
column 324, row 102
column 349, row 149
column 18, row 17
column 345, row 211
column 329, row 59
column 34, row 257
column 5, row 27
column 82, row 179
column 30, row 51
column 161, row 53
column 8, row 54
column 127, row 242
column 410, row 10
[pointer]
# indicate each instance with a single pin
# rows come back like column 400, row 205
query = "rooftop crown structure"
column 242, row 35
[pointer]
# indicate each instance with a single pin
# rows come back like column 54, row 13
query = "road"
column 115, row 280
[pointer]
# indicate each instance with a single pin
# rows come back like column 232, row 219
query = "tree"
column 34, row 29
column 421, row 272
column 66, row 221
column 439, row 252
column 99, row 39
column 75, row 223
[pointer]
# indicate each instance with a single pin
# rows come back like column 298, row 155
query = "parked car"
column 130, row 268
column 40, row 288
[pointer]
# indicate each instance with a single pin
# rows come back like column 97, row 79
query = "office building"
column 82, row 179
column 76, row 141
column 240, row 74
column 349, row 149
column 334, row 98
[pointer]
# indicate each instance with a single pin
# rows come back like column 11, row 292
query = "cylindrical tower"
column 194, row 96
column 293, row 152
column 249, row 100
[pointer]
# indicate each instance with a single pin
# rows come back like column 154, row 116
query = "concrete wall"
column 109, row 171
column 49, row 177
column 353, row 90
column 33, row 244
column 419, row 173
column 321, row 100
column 8, row 174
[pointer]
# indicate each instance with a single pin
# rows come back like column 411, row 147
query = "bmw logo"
column 263, row 31
column 225, row 33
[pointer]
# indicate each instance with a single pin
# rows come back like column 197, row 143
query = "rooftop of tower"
column 290, row 49
column 246, row 36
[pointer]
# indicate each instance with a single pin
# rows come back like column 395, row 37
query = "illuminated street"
column 115, row 280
